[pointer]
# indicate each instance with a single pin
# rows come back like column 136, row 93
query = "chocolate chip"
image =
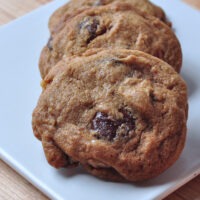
column 109, row 128
column 92, row 25
column 92, row 28
column 117, row 61
column 104, row 126
column 49, row 44
column 112, row 61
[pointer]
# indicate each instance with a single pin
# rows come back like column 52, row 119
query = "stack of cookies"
column 112, row 100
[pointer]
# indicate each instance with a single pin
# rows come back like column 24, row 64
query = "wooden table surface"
column 12, row 185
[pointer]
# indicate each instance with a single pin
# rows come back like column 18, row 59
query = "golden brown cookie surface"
column 120, row 113
column 74, row 7
column 112, row 26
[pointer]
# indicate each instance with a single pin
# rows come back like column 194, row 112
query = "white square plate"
column 20, row 44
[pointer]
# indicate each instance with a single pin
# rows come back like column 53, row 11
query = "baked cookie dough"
column 112, row 26
column 121, row 114
column 60, row 16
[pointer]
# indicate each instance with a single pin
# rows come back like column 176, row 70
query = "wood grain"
column 194, row 3
column 11, row 9
column 12, row 185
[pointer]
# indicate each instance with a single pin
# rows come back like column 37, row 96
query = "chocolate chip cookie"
column 74, row 7
column 121, row 114
column 112, row 26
